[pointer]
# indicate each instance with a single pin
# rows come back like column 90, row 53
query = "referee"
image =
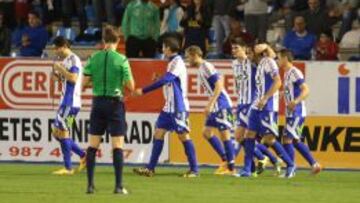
column 109, row 73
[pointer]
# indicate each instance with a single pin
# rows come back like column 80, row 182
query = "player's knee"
column 60, row 134
column 269, row 140
column 207, row 134
column 184, row 137
column 287, row 140
column 250, row 134
column 117, row 142
column 225, row 135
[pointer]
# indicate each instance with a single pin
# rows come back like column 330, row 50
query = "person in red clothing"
column 326, row 48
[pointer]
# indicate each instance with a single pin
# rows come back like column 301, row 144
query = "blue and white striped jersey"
column 208, row 76
column 71, row 92
column 175, row 92
column 293, row 79
column 266, row 70
column 244, row 74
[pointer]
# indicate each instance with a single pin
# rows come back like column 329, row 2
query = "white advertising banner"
column 26, row 136
column 334, row 88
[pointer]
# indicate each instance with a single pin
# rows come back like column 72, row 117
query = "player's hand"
column 292, row 105
column 57, row 66
column 138, row 92
column 209, row 109
column 155, row 76
column 262, row 103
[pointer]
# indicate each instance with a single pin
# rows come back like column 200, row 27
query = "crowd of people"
column 308, row 24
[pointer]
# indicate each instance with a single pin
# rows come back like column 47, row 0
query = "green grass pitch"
column 34, row 183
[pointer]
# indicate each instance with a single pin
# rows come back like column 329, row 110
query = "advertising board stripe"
column 343, row 95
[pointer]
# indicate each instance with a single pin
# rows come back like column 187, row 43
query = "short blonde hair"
column 194, row 50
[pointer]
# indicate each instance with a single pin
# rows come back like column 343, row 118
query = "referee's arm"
column 128, row 77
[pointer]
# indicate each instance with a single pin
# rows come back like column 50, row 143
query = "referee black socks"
column 90, row 165
column 118, row 162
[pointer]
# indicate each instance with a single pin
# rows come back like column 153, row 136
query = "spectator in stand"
column 7, row 7
column 326, row 48
column 173, row 14
column 317, row 18
column 22, row 9
column 349, row 14
column 196, row 24
column 141, row 28
column 351, row 39
column 256, row 18
column 67, row 9
column 170, row 23
column 220, row 10
column 299, row 40
column 100, row 6
column 34, row 37
column 5, row 37
column 236, row 31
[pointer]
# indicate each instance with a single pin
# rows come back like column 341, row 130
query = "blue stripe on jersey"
column 343, row 95
column 212, row 80
column 68, row 95
column 222, row 100
column 268, row 83
column 178, row 96
column 357, row 90
column 74, row 69
column 298, row 83
column 253, row 83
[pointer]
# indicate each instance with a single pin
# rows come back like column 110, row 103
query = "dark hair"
column 172, row 43
column 238, row 41
column 61, row 41
column 110, row 35
column 35, row 13
column 194, row 50
column 286, row 53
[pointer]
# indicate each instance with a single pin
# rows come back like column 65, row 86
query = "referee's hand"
column 137, row 92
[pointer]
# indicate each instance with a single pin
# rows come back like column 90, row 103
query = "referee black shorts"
column 108, row 115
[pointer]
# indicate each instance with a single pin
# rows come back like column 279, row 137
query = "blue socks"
column 66, row 151
column 305, row 152
column 258, row 154
column 155, row 153
column 267, row 153
column 280, row 151
column 191, row 156
column 249, row 146
column 76, row 149
column 289, row 148
column 217, row 146
column 229, row 149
